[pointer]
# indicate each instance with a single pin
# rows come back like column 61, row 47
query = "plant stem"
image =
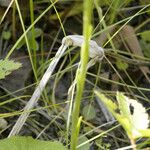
column 14, row 22
column 81, row 71
column 133, row 143
column 33, row 35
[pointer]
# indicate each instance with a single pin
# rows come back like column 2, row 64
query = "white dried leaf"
column 95, row 51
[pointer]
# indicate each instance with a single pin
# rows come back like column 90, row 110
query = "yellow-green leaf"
column 131, row 115
column 146, row 35
column 7, row 66
column 121, row 65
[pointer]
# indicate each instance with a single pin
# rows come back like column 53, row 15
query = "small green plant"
column 7, row 66
column 132, row 115
column 37, row 33
column 28, row 143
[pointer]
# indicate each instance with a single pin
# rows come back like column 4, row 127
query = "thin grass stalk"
column 30, row 27
column 33, row 35
column 26, row 39
column 14, row 22
column 114, row 10
column 58, row 16
column 99, row 135
column 4, row 15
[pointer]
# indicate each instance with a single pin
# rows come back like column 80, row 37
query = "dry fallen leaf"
column 131, row 41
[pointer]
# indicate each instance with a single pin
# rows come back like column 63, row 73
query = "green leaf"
column 146, row 35
column 32, row 46
column 89, row 112
column 121, row 65
column 123, row 105
column 125, row 117
column 7, row 66
column 146, row 48
column 28, row 143
column 112, row 107
column 145, row 133
column 37, row 33
column 145, row 43
column 132, row 115
column 6, row 35
column 81, row 140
